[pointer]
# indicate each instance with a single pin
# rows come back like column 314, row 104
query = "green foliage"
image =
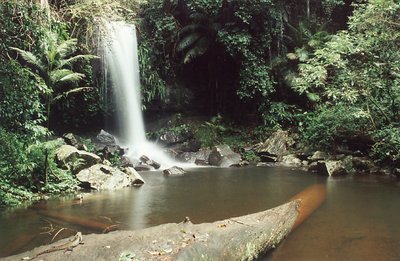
column 20, row 105
column 322, row 127
column 278, row 115
column 387, row 144
column 210, row 133
column 22, row 169
column 250, row 156
column 52, row 67
column 151, row 82
column 360, row 69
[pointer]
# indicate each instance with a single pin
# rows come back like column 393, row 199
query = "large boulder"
column 223, row 156
column 274, row 147
column 103, row 177
column 69, row 157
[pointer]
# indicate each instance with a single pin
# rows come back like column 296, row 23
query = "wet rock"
column 103, row 177
column 223, row 156
column 174, row 171
column 241, row 164
column 317, row 167
column 274, row 147
column 318, row 155
column 291, row 161
column 170, row 137
column 69, row 157
column 265, row 164
column 146, row 160
column 143, row 167
column 363, row 164
column 137, row 180
column 335, row 168
column 200, row 162
column 188, row 157
column 105, row 138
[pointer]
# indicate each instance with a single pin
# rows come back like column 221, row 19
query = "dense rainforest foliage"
column 328, row 70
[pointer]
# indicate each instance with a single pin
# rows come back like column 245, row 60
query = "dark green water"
column 360, row 219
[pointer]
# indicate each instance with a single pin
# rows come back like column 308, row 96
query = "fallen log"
column 241, row 238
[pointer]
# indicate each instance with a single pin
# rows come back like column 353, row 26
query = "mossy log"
column 240, row 238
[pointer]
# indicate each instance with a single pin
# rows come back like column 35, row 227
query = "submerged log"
column 241, row 238
column 80, row 221
column 16, row 244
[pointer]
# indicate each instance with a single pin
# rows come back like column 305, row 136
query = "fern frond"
column 67, row 47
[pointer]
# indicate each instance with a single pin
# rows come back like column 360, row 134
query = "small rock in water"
column 174, row 171
column 150, row 162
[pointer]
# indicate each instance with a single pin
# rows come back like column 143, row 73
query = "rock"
column 241, row 164
column 137, row 180
column 318, row 155
column 396, row 172
column 291, row 161
column 103, row 177
column 174, row 171
column 317, row 166
column 70, row 139
column 170, row 137
column 265, row 164
column 150, row 162
column 223, row 156
column 191, row 145
column 274, row 147
column 105, row 138
column 188, row 157
column 335, row 168
column 363, row 164
column 68, row 157
column 143, row 167
column 200, row 162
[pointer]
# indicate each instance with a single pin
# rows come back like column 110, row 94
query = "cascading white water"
column 121, row 54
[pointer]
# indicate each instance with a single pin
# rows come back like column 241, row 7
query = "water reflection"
column 358, row 221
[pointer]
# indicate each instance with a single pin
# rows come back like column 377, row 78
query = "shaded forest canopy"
column 328, row 70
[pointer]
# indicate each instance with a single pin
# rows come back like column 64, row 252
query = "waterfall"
column 121, row 55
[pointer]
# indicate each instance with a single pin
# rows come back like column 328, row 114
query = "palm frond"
column 57, row 75
column 73, row 77
column 187, row 41
column 65, row 75
column 31, row 59
column 75, row 90
column 198, row 50
column 73, row 59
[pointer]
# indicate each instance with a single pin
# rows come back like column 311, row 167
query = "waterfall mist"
column 121, row 54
